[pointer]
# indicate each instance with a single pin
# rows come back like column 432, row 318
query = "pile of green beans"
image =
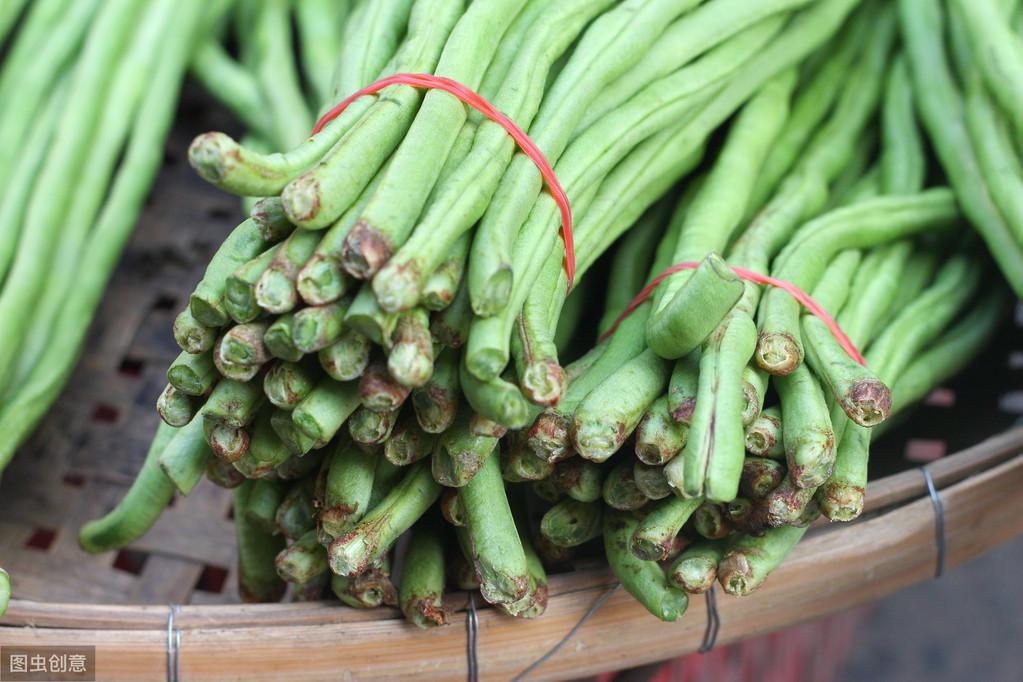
column 90, row 90
column 965, row 63
column 387, row 344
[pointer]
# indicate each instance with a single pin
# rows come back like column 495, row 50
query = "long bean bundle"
column 390, row 330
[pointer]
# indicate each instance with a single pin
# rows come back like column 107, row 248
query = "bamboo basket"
column 126, row 604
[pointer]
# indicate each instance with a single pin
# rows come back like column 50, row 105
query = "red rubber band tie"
column 807, row 302
column 477, row 102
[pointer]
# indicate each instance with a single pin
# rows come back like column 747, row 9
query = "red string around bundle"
column 477, row 102
column 847, row 345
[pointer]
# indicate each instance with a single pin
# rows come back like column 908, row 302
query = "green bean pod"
column 302, row 560
column 367, row 427
column 410, row 360
column 207, row 300
column 941, row 109
column 696, row 568
column 654, row 537
column 318, row 327
column 644, row 580
column 275, row 289
column 492, row 272
column 534, row 602
column 495, row 546
column 711, row 463
column 288, row 383
column 651, row 481
column 297, row 441
column 578, row 478
column 279, row 339
column 229, row 444
column 863, row 397
column 764, row 436
column 274, row 225
column 265, row 497
column 322, row 280
column 257, row 550
column 867, row 223
column 347, row 490
column 441, row 286
column 141, row 506
column 812, row 103
column 619, row 488
column 183, row 459
column 715, row 211
column 193, row 375
column 5, row 591
column 452, row 509
column 322, row 412
column 460, row 455
column 711, row 521
column 452, row 210
column 482, row 426
column 783, row 506
column 806, row 428
column 571, row 523
column 368, row 590
column 245, row 172
column 760, row 476
column 242, row 345
column 689, row 36
column 233, row 403
column 223, row 474
column 754, row 393
column 750, row 559
column 296, row 514
column 436, row 402
column 841, row 497
column 682, row 388
column 519, row 463
column 192, row 336
column 379, row 391
column 610, row 413
column 903, row 161
column 421, row 592
column 240, row 288
column 369, row 539
column 367, row 317
column 175, row 407
column 984, row 24
column 408, row 442
column 659, row 437
column 391, row 213
column 266, row 449
column 876, row 282
column 347, row 358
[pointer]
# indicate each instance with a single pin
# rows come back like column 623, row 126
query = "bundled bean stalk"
column 384, row 342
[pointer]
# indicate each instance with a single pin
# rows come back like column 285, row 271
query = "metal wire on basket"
column 710, row 635
column 173, row 645
column 939, row 523
column 601, row 600
column 472, row 625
